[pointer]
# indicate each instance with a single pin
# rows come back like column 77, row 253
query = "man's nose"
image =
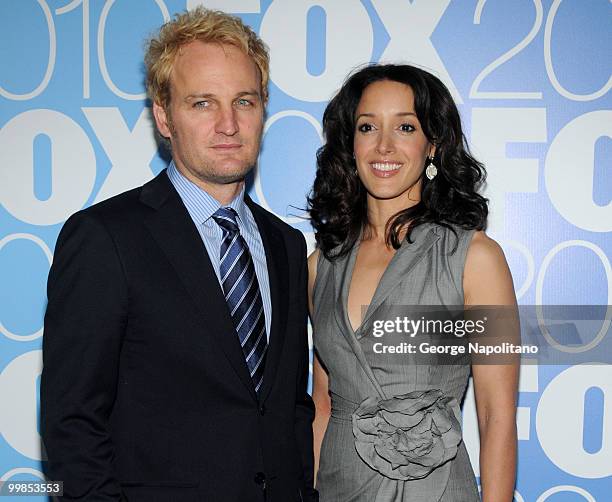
column 226, row 121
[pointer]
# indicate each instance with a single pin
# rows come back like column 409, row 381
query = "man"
column 175, row 348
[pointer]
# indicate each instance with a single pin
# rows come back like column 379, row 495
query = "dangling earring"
column 431, row 171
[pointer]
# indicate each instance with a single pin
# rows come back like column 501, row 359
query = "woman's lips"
column 385, row 169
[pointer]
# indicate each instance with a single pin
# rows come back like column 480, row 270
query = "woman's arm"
column 320, row 396
column 320, row 391
column 487, row 281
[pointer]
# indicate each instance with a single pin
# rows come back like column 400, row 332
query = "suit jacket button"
column 262, row 410
column 260, row 478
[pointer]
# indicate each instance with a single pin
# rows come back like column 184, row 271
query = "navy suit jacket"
column 145, row 394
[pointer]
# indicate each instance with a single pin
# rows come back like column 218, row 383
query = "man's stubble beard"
column 209, row 173
column 212, row 175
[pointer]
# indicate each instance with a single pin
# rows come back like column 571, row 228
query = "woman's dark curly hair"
column 337, row 202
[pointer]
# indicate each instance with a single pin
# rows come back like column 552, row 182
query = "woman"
column 398, row 221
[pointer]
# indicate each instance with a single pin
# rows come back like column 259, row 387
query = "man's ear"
column 161, row 120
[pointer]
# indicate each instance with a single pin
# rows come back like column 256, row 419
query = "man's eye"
column 407, row 128
column 201, row 104
column 244, row 102
column 365, row 127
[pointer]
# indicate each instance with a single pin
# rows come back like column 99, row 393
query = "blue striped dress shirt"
column 201, row 206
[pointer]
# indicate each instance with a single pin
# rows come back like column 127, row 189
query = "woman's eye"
column 243, row 102
column 365, row 127
column 407, row 128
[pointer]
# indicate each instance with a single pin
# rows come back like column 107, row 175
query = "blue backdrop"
column 532, row 79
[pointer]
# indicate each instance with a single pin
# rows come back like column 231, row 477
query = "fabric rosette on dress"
column 408, row 438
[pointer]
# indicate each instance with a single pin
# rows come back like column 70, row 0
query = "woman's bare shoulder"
column 486, row 276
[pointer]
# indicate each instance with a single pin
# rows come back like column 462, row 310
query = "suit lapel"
column 402, row 263
column 278, row 273
column 343, row 271
column 174, row 231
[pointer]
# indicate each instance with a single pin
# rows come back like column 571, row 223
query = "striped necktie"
column 242, row 294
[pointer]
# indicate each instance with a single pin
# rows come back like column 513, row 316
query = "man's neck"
column 224, row 193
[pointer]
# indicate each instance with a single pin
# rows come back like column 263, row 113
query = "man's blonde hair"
column 207, row 26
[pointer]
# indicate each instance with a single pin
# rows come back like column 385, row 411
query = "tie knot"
column 226, row 219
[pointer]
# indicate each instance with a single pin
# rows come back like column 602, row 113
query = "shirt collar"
column 199, row 203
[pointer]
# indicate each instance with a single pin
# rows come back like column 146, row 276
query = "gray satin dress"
column 424, row 272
